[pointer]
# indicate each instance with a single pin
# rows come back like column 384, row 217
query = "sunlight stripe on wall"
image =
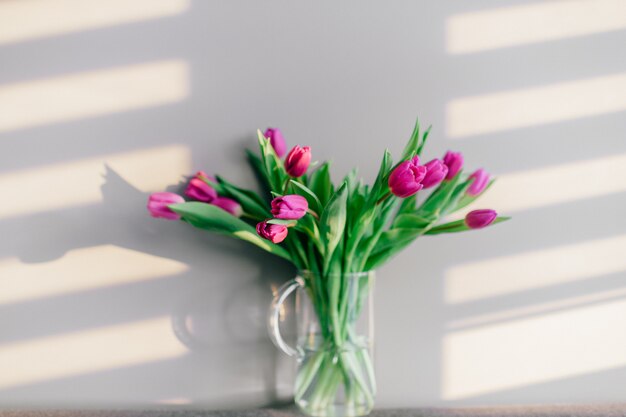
column 78, row 182
column 551, row 347
column 536, row 309
column 82, row 352
column 87, row 94
column 532, row 23
column 81, row 270
column 563, row 183
column 32, row 19
column 494, row 112
column 535, row 269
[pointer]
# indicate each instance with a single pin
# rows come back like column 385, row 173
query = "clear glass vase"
column 334, row 316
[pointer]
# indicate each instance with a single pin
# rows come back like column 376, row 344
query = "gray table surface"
column 604, row 410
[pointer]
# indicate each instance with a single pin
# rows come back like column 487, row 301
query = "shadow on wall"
column 101, row 305
column 143, row 315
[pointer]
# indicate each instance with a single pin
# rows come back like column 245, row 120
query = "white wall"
column 103, row 102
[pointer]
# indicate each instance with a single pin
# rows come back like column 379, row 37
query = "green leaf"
column 380, row 186
column 379, row 258
column 333, row 220
column 388, row 208
column 259, row 171
column 375, row 260
column 350, row 179
column 388, row 248
column 466, row 200
column 283, row 222
column 274, row 168
column 295, row 247
column 410, row 150
column 356, row 203
column 406, row 228
column 321, row 184
column 395, row 237
column 424, row 137
column 436, row 202
column 310, row 196
column 460, row 226
column 412, row 221
column 455, row 197
column 250, row 201
column 308, row 226
column 408, row 205
column 367, row 244
column 365, row 228
column 212, row 218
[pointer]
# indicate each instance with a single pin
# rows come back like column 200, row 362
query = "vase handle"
column 273, row 322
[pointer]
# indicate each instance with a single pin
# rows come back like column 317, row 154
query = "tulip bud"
column 435, row 173
column 229, row 205
column 454, row 162
column 289, row 207
column 200, row 190
column 480, row 180
column 298, row 160
column 158, row 202
column 273, row 232
column 478, row 219
column 204, row 176
column 276, row 140
column 406, row 179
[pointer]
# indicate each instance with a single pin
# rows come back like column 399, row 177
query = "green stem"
column 384, row 197
column 314, row 214
column 286, row 185
column 308, row 372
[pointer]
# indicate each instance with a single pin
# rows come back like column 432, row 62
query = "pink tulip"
column 454, row 162
column 478, row 219
column 276, row 139
column 203, row 175
column 273, row 232
column 406, row 179
column 297, row 161
column 200, row 190
column 158, row 202
column 229, row 205
column 435, row 173
column 480, row 180
column 289, row 207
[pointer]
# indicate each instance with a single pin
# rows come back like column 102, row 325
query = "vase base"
column 339, row 410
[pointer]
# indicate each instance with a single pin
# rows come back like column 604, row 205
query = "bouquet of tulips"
column 332, row 230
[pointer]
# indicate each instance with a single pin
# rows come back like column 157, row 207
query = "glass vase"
column 335, row 375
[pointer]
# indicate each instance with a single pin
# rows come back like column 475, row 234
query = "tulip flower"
column 158, row 205
column 229, row 205
column 406, row 179
column 478, row 219
column 204, row 176
column 436, row 171
column 276, row 140
column 273, row 232
column 454, row 162
column 289, row 207
column 480, row 180
column 200, row 190
column 297, row 161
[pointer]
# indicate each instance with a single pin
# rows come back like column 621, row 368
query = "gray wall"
column 347, row 79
